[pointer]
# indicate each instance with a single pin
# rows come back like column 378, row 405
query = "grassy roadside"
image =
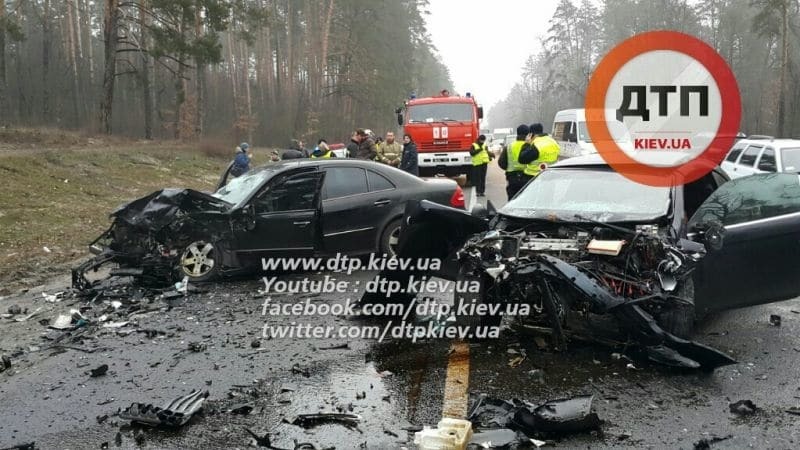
column 59, row 197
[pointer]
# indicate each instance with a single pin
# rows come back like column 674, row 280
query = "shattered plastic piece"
column 242, row 409
column 705, row 443
column 743, row 407
column 774, row 320
column 312, row 420
column 29, row 446
column 99, row 372
column 296, row 369
column 174, row 414
column 450, row 434
column 500, row 437
column 14, row 310
column 559, row 416
column 55, row 298
column 538, row 443
column 5, row 363
column 197, row 346
column 115, row 324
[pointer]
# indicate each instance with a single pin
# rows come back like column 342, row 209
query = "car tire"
column 679, row 320
column 200, row 261
column 390, row 238
column 462, row 294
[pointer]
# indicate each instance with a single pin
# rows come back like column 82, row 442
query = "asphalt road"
column 396, row 386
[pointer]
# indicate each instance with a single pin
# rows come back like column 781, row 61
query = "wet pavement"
column 395, row 386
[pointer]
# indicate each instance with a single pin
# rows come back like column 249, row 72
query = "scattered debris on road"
column 775, row 320
column 743, row 407
column 312, row 420
column 99, row 371
column 706, row 443
column 449, row 434
column 176, row 413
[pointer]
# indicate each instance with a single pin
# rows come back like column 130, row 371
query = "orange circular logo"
column 663, row 108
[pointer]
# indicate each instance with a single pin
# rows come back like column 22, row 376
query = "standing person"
column 409, row 161
column 390, row 151
column 352, row 146
column 480, row 162
column 539, row 151
column 322, row 150
column 241, row 162
column 366, row 146
column 509, row 160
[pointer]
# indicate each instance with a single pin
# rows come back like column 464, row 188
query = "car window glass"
column 751, row 198
column 749, row 157
column 790, row 159
column 560, row 130
column 295, row 193
column 344, row 181
column 735, row 152
column 378, row 182
column 767, row 160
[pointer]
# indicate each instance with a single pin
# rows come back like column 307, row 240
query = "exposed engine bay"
column 641, row 274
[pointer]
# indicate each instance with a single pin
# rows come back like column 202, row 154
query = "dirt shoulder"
column 58, row 189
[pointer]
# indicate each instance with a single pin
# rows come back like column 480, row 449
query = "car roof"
column 778, row 143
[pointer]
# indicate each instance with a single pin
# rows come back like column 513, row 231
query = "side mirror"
column 713, row 233
column 479, row 211
column 249, row 217
column 400, row 118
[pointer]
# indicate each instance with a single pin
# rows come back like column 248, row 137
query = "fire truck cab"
column 444, row 128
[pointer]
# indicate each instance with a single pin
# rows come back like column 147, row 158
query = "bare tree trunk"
column 326, row 31
column 784, row 67
column 110, row 29
column 146, row 71
column 46, row 61
column 232, row 76
column 246, row 77
column 73, row 43
column 3, row 107
column 87, row 28
column 199, row 77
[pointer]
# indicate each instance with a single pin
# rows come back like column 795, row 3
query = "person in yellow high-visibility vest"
column 480, row 161
column 323, row 151
column 509, row 161
column 539, row 151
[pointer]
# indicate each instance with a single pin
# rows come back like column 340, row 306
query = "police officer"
column 509, row 160
column 539, row 151
column 480, row 161
column 322, row 150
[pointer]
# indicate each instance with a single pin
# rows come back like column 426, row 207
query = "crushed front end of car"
column 570, row 272
column 148, row 235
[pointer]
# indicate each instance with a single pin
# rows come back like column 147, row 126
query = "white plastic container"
column 451, row 434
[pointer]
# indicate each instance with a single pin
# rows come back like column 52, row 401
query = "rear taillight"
column 457, row 200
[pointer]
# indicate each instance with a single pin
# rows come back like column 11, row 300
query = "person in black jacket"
column 409, row 161
column 352, row 147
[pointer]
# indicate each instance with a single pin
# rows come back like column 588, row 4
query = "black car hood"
column 158, row 209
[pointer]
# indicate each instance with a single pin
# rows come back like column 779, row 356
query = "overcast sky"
column 485, row 43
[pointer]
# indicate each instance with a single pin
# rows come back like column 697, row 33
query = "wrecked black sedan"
column 289, row 209
column 582, row 240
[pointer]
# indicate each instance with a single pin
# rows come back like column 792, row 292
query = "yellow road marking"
column 456, row 384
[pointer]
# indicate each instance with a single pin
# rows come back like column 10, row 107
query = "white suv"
column 762, row 154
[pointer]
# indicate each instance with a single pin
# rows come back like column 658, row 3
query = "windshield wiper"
column 607, row 225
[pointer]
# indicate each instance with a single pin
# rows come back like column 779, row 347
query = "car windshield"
column 440, row 112
column 602, row 195
column 239, row 189
column 614, row 127
column 790, row 159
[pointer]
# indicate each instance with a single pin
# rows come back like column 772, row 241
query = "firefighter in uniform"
column 509, row 160
column 480, row 162
column 539, row 151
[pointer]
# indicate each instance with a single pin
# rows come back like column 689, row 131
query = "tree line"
column 759, row 39
column 262, row 70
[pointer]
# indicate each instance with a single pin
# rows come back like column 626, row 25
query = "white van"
column 569, row 129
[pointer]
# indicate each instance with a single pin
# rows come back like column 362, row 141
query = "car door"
column 759, row 261
column 730, row 160
column 348, row 225
column 285, row 217
column 746, row 164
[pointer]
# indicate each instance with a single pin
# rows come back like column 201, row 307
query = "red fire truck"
column 444, row 128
